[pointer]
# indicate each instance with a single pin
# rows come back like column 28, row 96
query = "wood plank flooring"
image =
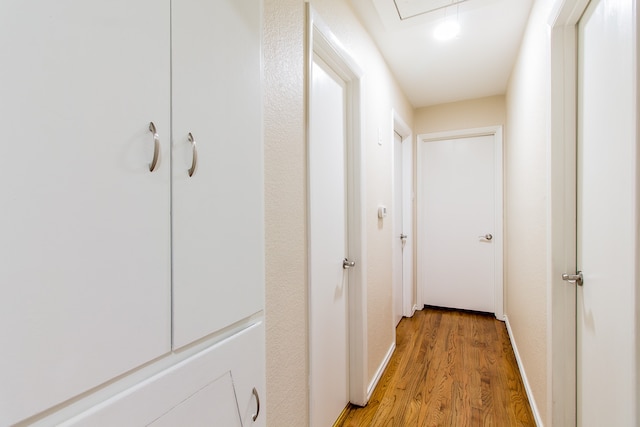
column 450, row 368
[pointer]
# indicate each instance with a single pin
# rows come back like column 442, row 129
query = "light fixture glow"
column 447, row 30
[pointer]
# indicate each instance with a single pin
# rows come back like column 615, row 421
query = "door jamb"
column 561, row 212
column 399, row 126
column 496, row 132
column 321, row 41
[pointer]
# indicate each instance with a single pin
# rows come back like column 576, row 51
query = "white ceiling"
column 475, row 64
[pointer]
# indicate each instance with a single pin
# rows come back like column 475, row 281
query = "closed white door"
column 607, row 215
column 399, row 238
column 458, row 232
column 217, row 209
column 84, row 223
column 329, row 354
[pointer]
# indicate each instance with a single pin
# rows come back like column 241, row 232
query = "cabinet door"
column 84, row 224
column 218, row 211
column 222, row 385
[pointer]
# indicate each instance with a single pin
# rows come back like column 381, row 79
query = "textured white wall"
column 528, row 105
column 285, row 207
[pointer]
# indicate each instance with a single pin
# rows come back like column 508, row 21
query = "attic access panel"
column 411, row 8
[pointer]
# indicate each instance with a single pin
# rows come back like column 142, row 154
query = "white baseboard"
column 380, row 371
column 527, row 387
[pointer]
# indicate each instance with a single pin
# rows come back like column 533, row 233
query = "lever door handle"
column 403, row 236
column 348, row 264
column 486, row 237
column 577, row 278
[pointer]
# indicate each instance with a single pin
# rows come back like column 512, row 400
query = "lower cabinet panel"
column 215, row 404
column 213, row 387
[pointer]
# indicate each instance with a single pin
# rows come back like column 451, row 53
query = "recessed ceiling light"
column 447, row 30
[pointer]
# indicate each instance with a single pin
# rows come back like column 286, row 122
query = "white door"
column 84, row 223
column 399, row 236
column 217, row 211
column 607, row 215
column 329, row 355
column 458, row 227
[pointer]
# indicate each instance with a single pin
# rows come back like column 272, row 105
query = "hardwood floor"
column 450, row 368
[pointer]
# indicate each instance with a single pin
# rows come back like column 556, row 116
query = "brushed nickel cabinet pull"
column 255, row 393
column 194, row 159
column 156, row 147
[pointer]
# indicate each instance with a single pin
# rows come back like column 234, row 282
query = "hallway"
column 450, row 368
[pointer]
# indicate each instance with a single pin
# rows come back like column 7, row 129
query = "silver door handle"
column 574, row 278
column 403, row 236
column 194, row 158
column 486, row 237
column 156, row 147
column 348, row 264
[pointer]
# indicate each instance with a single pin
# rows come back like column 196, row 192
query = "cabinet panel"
column 85, row 244
column 218, row 244
column 216, row 383
column 213, row 405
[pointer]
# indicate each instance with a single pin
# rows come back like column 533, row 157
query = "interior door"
column 458, row 224
column 329, row 279
column 399, row 237
column 607, row 215
column 84, row 223
column 217, row 202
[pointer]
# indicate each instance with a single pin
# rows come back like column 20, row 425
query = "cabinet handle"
column 194, row 159
column 255, row 393
column 156, row 147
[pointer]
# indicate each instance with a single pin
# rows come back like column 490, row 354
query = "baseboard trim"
column 414, row 309
column 527, row 386
column 380, row 371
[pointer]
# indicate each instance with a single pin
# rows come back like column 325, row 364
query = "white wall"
column 526, row 197
column 285, row 205
column 473, row 113
column 285, row 193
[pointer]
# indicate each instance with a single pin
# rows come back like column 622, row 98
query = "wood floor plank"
column 450, row 368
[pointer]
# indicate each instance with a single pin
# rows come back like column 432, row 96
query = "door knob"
column 574, row 278
column 486, row 237
column 403, row 236
column 348, row 264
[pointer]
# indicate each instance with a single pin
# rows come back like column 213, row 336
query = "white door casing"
column 460, row 202
column 621, row 23
column 405, row 183
column 322, row 44
column 607, row 215
column 408, row 252
column 399, row 240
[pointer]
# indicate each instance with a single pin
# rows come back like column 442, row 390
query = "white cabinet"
column 221, row 386
column 88, row 234
column 84, row 242
column 218, row 211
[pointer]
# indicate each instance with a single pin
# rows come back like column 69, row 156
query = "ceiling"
column 475, row 64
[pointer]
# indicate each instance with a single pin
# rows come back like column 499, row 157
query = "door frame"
column 399, row 126
column 322, row 42
column 561, row 211
column 498, row 239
